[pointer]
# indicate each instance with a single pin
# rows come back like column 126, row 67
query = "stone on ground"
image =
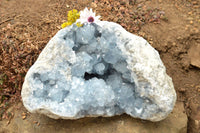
column 194, row 55
column 98, row 70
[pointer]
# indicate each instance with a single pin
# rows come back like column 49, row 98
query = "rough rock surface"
column 194, row 119
column 194, row 55
column 98, row 70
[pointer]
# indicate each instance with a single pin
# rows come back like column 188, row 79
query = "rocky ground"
column 171, row 27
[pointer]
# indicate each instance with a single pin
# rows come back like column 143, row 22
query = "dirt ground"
column 171, row 27
column 25, row 122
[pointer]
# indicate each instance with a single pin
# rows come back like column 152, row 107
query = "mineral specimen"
column 98, row 70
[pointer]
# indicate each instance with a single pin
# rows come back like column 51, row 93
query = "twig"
column 6, row 94
column 6, row 20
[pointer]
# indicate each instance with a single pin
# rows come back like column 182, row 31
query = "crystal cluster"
column 98, row 70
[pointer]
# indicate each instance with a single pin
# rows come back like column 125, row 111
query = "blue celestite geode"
column 98, row 70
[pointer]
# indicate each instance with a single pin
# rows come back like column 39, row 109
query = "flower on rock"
column 87, row 16
column 80, row 18
column 72, row 16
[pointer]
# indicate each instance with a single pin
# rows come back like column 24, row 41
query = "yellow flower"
column 72, row 16
column 75, row 11
column 66, row 24
column 69, row 13
column 79, row 24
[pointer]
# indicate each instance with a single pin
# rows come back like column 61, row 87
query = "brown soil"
column 171, row 27
column 25, row 122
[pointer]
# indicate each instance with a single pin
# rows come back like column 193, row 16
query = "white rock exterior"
column 98, row 70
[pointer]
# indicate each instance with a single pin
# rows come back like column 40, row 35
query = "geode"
column 98, row 70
